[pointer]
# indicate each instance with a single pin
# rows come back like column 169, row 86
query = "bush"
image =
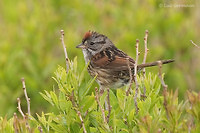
column 79, row 110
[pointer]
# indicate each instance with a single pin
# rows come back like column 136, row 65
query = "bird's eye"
column 92, row 43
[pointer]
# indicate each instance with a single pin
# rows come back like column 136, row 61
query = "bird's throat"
column 87, row 55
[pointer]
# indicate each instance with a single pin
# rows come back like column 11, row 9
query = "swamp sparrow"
column 107, row 62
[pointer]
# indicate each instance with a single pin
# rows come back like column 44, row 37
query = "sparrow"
column 107, row 62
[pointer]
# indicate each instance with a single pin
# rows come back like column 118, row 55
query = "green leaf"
column 87, row 102
column 47, row 97
column 63, row 103
column 121, row 98
column 83, row 91
column 54, row 98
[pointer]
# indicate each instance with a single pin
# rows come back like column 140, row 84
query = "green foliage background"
column 30, row 45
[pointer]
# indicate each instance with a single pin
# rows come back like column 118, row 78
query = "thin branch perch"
column 26, row 96
column 135, row 75
column 98, row 102
column 65, row 50
column 194, row 44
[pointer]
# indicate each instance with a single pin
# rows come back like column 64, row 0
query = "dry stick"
column 27, row 98
column 145, row 57
column 109, row 107
column 146, row 50
column 27, row 124
column 194, row 44
column 164, row 87
column 135, row 75
column 78, row 112
column 65, row 50
column 98, row 102
column 131, row 77
column 15, row 123
column 82, row 123
column 40, row 129
column 19, row 107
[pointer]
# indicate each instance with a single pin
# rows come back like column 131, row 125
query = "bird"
column 108, row 63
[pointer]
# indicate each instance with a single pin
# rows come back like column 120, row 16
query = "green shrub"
column 75, row 100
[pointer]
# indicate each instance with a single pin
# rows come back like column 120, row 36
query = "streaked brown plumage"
column 108, row 62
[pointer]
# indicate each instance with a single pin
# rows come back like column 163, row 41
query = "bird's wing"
column 112, row 58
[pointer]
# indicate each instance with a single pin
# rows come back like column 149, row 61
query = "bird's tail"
column 155, row 63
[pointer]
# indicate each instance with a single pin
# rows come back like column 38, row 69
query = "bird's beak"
column 82, row 46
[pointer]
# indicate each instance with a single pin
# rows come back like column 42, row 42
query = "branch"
column 82, row 123
column 194, row 44
column 131, row 77
column 77, row 111
column 98, row 102
column 27, row 124
column 145, row 57
column 27, row 98
column 146, row 50
column 19, row 107
column 15, row 123
column 40, row 129
column 160, row 75
column 164, row 87
column 135, row 75
column 65, row 51
column 109, row 107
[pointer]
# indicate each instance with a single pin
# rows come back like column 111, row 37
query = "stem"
column 146, row 50
column 82, row 123
column 98, row 102
column 164, row 88
column 109, row 107
column 194, row 44
column 26, row 96
column 135, row 75
column 65, row 50
column 19, row 107
column 145, row 57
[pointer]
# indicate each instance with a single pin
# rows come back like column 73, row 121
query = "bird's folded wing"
column 114, row 63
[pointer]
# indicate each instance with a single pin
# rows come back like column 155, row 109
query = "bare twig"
column 146, row 50
column 15, row 123
column 145, row 57
column 164, row 88
column 82, row 123
column 194, row 44
column 77, row 111
column 27, row 124
column 40, row 129
column 65, row 51
column 26, row 96
column 109, row 107
column 131, row 77
column 135, row 75
column 98, row 102
column 160, row 75
column 19, row 107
